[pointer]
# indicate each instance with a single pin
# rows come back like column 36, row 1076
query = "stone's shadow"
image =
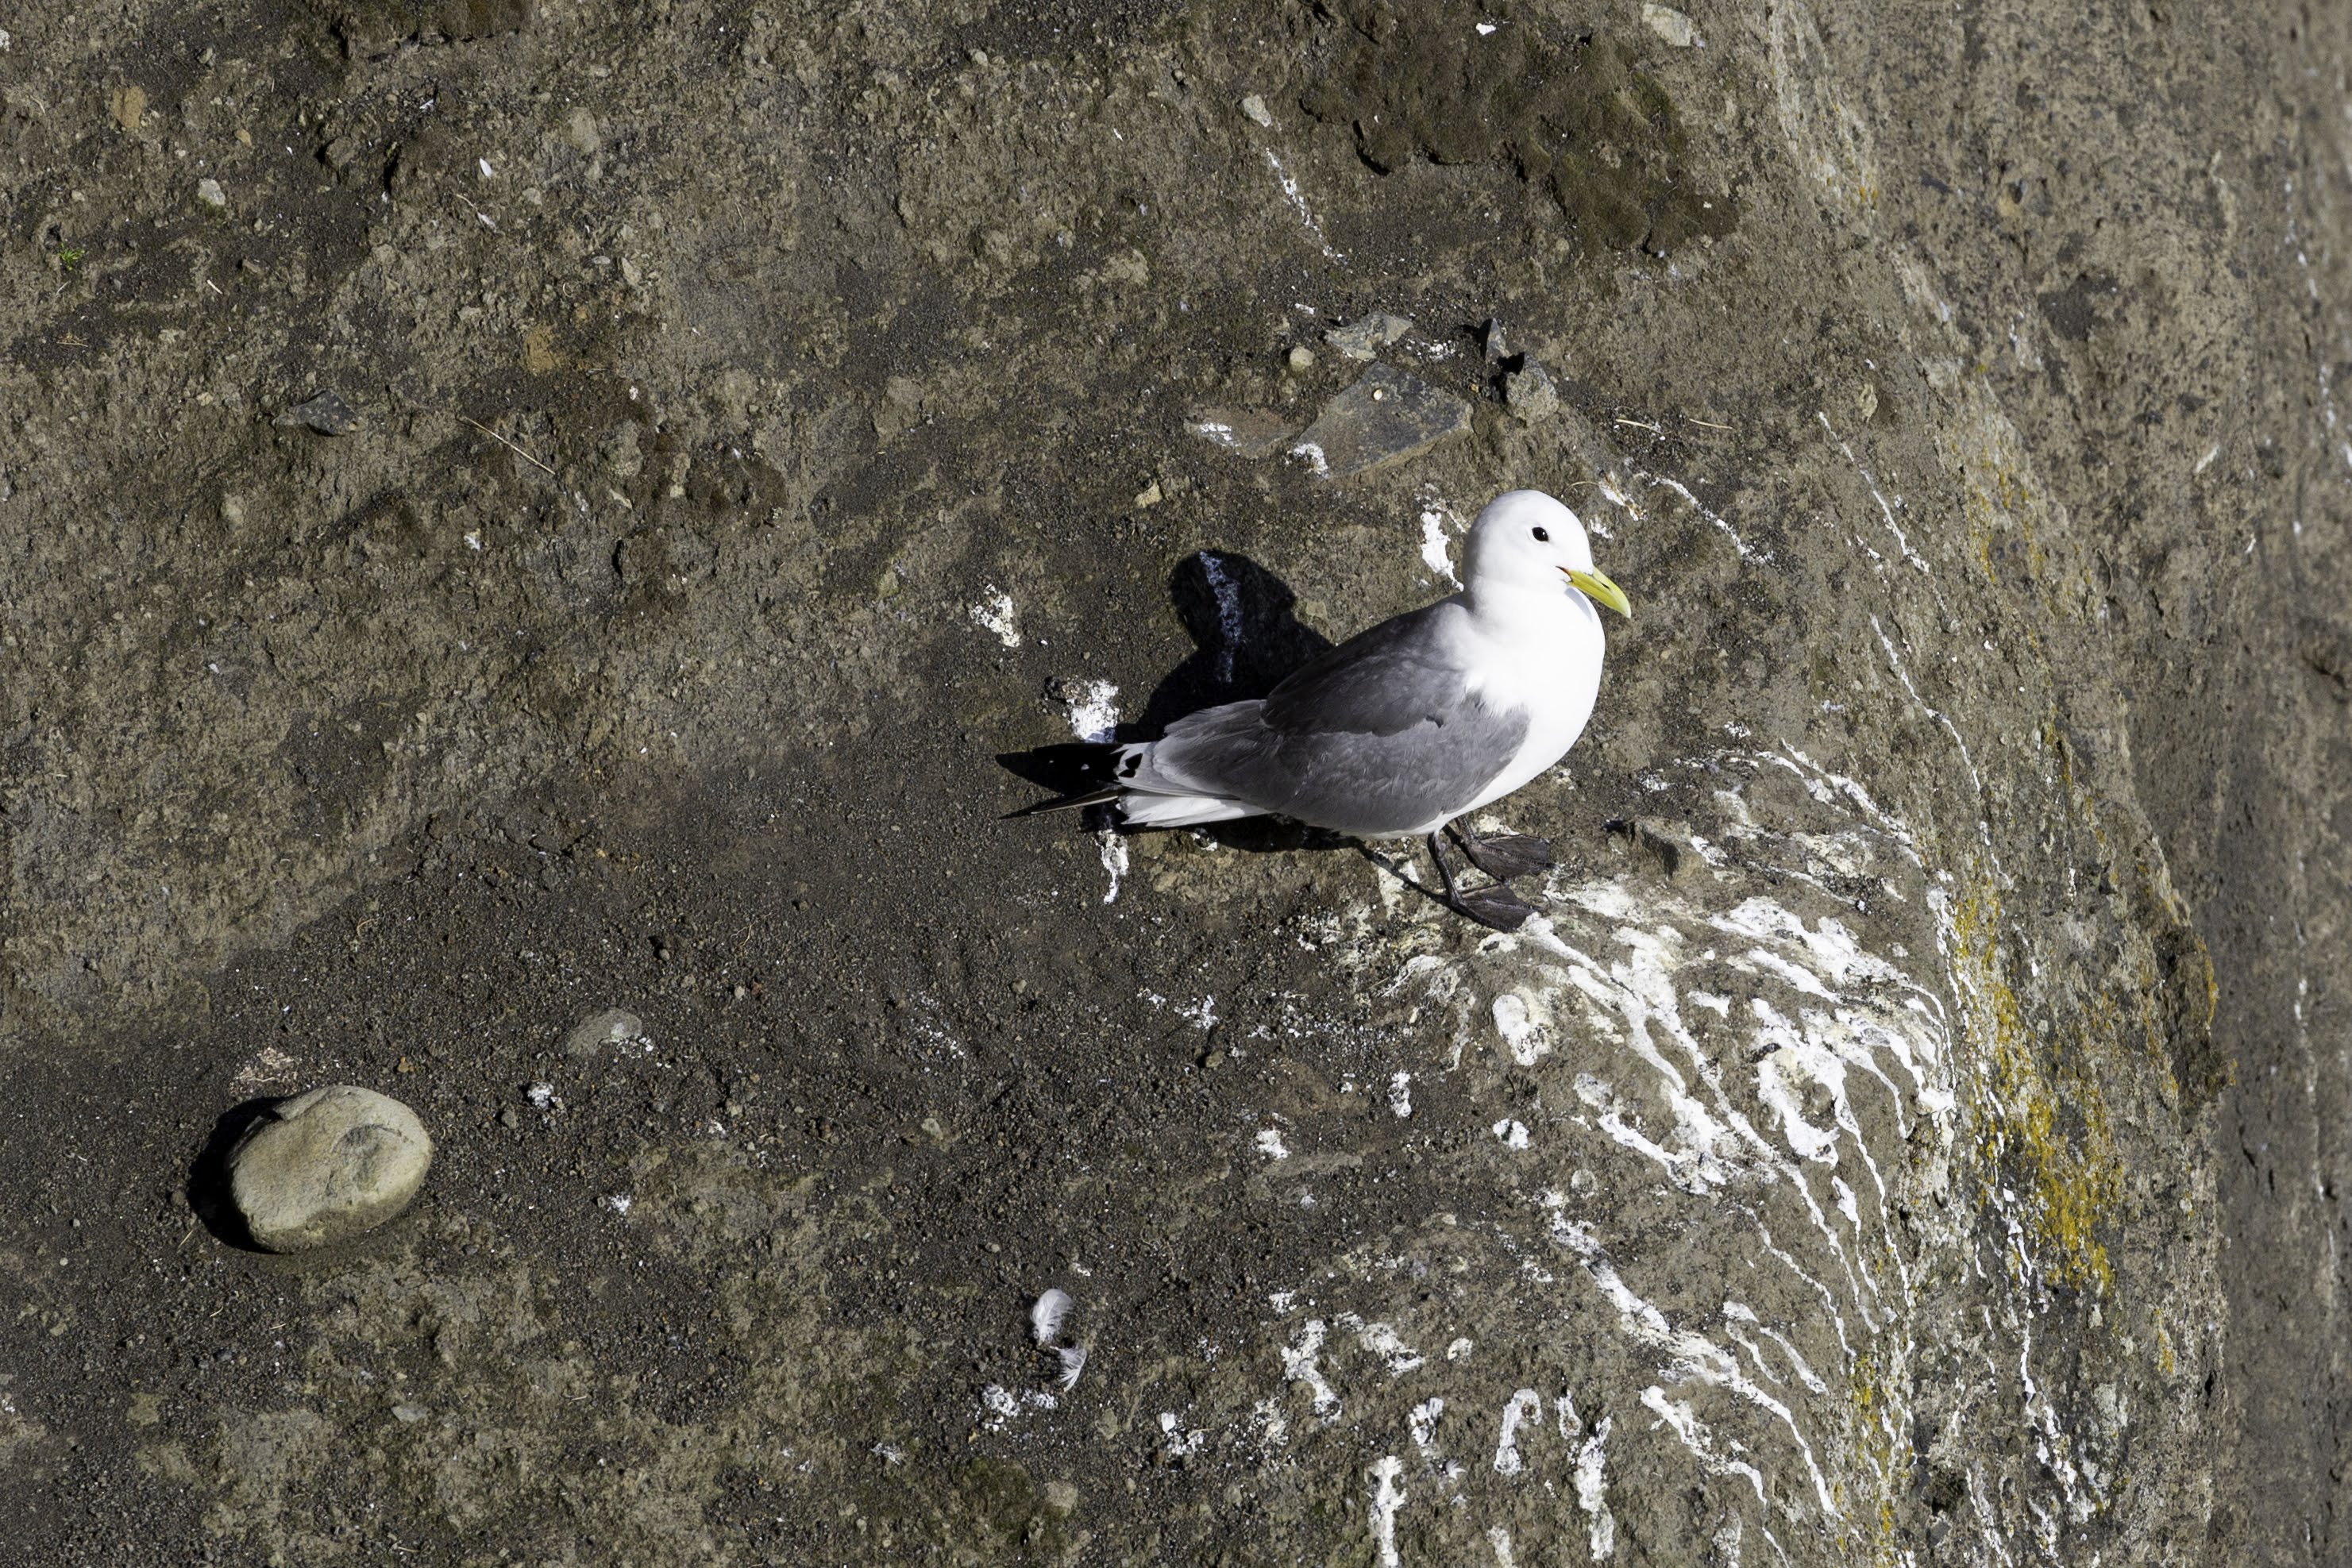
column 208, row 1193
column 1246, row 638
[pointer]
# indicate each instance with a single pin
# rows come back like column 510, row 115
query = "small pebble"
column 327, row 1166
column 1254, row 108
column 325, row 413
column 210, row 193
column 594, row 1033
column 1302, row 359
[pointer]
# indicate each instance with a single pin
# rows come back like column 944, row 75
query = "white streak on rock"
column 1684, row 1422
column 1300, row 1360
column 1692, row 1353
column 1884, row 511
column 1592, row 1492
column 1747, row 551
column 1387, row 1498
column 1526, row 1405
column 1298, row 204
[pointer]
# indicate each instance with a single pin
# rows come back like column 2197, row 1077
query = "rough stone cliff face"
column 525, row 529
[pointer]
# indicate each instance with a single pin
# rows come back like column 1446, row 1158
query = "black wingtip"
column 1078, row 773
column 1102, row 797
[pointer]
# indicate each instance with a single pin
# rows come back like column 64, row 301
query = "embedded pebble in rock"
column 579, row 130
column 210, row 193
column 1672, row 26
column 594, row 1033
column 327, row 1166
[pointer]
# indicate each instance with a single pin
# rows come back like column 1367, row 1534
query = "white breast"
column 1551, row 672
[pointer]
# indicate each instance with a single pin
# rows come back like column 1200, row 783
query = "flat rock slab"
column 1252, row 432
column 1364, row 339
column 1387, row 416
column 327, row 1166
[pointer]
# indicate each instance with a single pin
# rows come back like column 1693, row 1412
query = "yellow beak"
column 1598, row 589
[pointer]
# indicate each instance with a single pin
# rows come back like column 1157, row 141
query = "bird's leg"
column 1505, row 855
column 1497, row 906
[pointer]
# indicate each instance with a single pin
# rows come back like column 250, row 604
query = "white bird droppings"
column 1114, row 861
column 1093, row 711
column 1300, row 1363
column 1523, row 1030
column 1436, row 552
column 1525, row 1405
column 996, row 614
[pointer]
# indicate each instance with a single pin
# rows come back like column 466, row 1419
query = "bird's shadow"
column 1246, row 636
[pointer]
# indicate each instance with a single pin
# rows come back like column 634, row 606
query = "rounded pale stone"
column 327, row 1166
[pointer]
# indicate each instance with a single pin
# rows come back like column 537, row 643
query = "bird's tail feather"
column 1139, row 809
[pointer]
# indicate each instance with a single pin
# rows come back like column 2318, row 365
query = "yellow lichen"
column 2070, row 1176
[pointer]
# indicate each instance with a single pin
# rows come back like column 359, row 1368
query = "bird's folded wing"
column 1380, row 734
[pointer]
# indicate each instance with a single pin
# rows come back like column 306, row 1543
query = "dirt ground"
column 525, row 532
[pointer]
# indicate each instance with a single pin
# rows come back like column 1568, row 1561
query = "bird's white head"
column 1525, row 541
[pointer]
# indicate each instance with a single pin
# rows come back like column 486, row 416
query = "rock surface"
column 1915, row 1138
column 327, row 1166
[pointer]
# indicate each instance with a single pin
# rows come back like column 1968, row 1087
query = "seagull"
column 1409, row 726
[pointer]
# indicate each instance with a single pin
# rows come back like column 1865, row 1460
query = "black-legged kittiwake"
column 1409, row 726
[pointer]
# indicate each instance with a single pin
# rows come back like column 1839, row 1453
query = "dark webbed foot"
column 1505, row 855
column 1497, row 906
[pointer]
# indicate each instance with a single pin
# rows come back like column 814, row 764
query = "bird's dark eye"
column 1543, row 536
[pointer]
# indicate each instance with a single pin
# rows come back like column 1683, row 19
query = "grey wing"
column 1381, row 735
